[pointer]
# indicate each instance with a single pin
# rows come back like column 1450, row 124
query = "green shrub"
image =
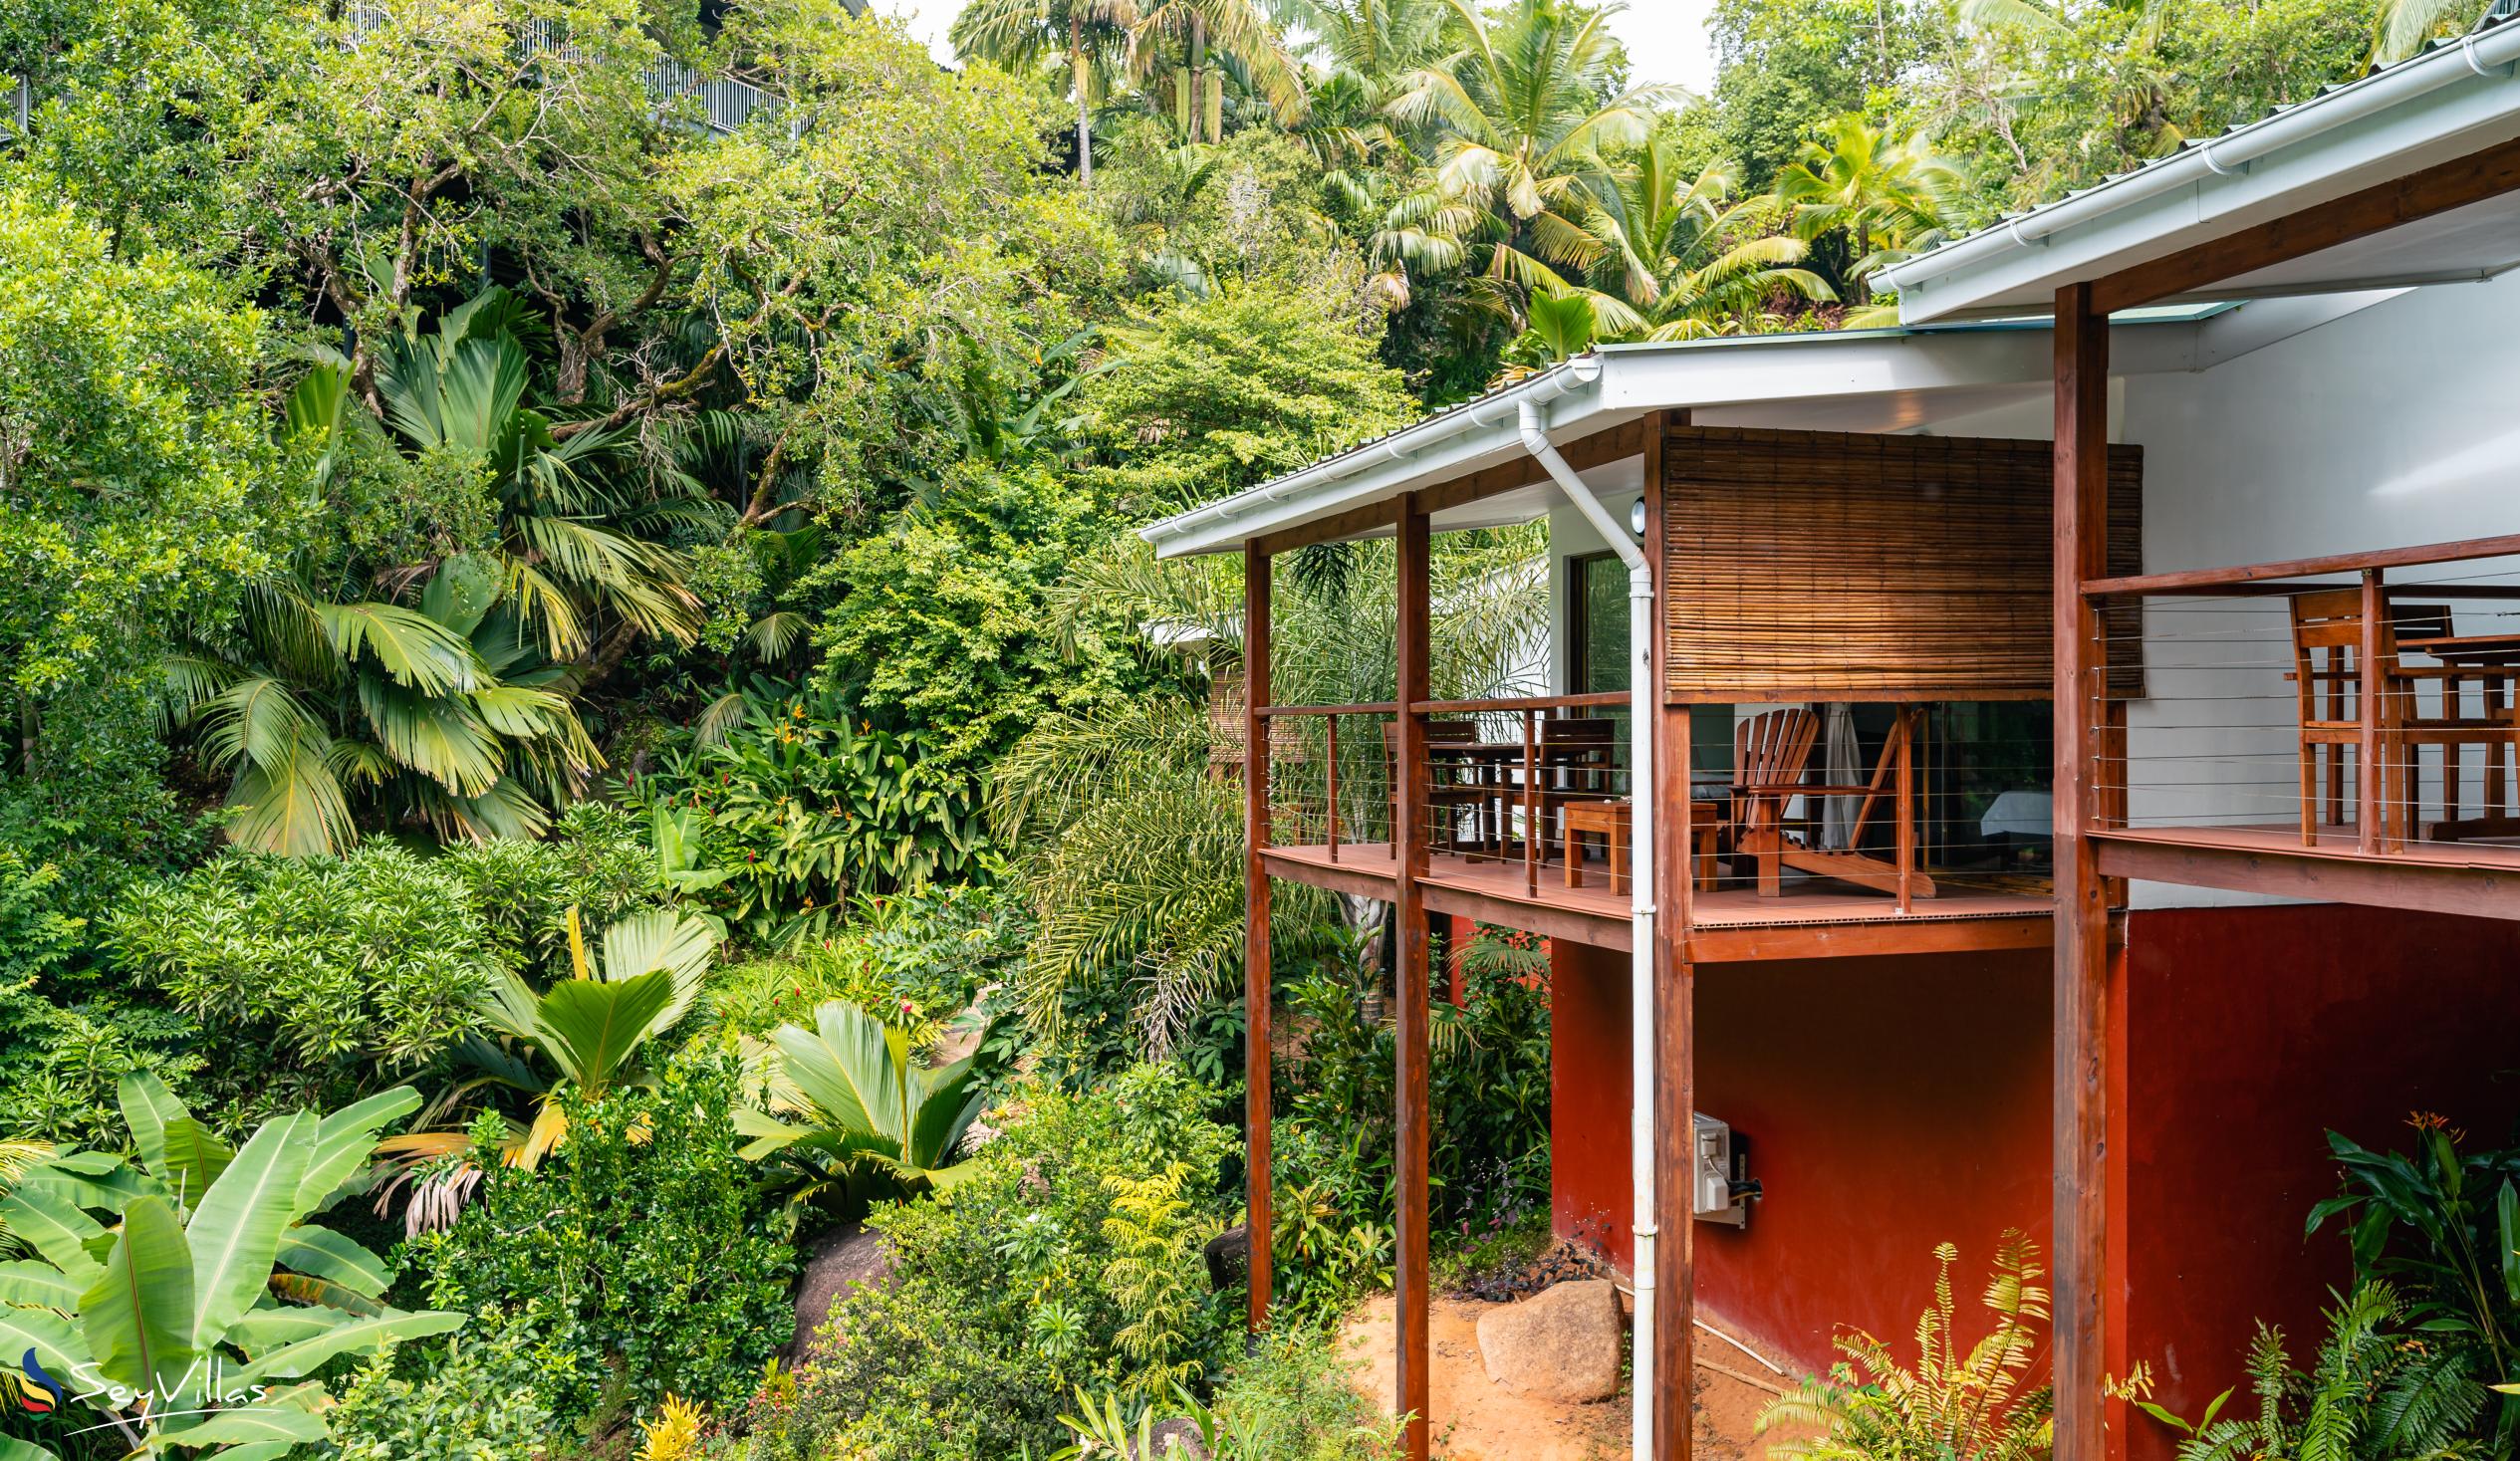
column 1292, row 1399
column 805, row 808
column 917, row 959
column 316, row 979
column 1488, row 1091
column 1066, row 1254
column 480, row 1396
column 63, row 1041
column 641, row 1240
column 596, row 859
column 59, row 1063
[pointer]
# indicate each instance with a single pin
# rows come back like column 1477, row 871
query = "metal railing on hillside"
column 725, row 104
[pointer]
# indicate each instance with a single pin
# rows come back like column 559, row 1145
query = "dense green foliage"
column 523, row 593
column 638, row 1250
column 1067, row 1254
column 1488, row 1092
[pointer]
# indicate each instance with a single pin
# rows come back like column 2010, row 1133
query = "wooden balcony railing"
column 1820, row 812
column 2360, row 705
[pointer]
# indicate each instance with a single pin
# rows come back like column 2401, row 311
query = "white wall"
column 2391, row 427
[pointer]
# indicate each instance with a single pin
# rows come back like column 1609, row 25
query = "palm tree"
column 2403, row 26
column 1359, row 49
column 1091, row 36
column 595, row 1025
column 1519, row 117
column 852, row 1115
column 567, row 504
column 1886, row 191
column 440, row 706
column 1695, row 263
column 1200, row 42
column 1131, row 849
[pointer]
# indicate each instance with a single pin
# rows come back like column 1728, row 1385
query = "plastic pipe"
column 1642, row 790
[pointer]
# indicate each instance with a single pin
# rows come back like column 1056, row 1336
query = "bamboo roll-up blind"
column 1821, row 565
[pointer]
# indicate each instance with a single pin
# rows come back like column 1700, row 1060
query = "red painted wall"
column 1894, row 1104
column 2248, row 1033
column 1592, row 1188
column 1891, row 1104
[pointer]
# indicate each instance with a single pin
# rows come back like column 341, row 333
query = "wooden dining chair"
column 2329, row 681
column 1771, row 757
column 1577, row 762
column 1451, row 785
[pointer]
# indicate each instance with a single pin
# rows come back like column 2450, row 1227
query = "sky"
column 1666, row 39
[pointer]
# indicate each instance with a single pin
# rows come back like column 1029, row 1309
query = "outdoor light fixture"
column 1636, row 518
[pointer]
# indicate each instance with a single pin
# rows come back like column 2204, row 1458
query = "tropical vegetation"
column 589, row 724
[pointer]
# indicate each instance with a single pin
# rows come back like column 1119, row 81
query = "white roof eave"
column 1617, row 383
column 2446, row 103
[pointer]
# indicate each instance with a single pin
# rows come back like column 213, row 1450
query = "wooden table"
column 1615, row 820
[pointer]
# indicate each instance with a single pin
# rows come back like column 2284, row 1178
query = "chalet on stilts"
column 2041, row 766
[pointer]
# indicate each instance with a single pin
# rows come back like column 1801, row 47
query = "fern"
column 1872, row 1407
column 1154, row 1276
column 2379, row 1390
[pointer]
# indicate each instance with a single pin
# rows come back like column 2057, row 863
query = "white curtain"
column 1840, row 757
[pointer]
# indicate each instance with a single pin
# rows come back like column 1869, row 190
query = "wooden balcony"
column 1501, row 769
column 2341, row 728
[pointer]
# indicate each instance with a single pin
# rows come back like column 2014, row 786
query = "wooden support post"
column 1907, row 810
column 1531, row 801
column 2080, row 1144
column 2370, row 812
column 1329, row 773
column 1674, row 1092
column 1413, row 1300
column 1257, row 1230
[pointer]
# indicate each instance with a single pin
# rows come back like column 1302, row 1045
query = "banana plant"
column 186, row 1300
column 850, row 1115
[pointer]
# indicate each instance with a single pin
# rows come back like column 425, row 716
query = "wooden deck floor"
column 1811, row 918
column 2338, row 841
column 2477, row 877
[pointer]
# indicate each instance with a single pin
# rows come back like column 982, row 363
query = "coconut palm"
column 1357, row 52
column 1090, row 37
column 1888, row 191
column 1693, row 262
column 1518, row 120
column 1199, row 43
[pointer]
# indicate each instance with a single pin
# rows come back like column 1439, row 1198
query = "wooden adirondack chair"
column 1771, row 756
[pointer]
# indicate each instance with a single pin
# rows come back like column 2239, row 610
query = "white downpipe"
column 1641, row 794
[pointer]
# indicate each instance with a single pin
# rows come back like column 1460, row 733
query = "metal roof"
column 2450, row 101
column 1846, row 380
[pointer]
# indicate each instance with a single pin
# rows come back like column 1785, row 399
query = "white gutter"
column 1641, row 882
column 1546, row 386
column 2476, row 56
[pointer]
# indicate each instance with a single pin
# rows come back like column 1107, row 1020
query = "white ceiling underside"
column 2463, row 245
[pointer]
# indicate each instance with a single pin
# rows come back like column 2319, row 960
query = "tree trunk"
column 1084, row 114
column 1198, row 80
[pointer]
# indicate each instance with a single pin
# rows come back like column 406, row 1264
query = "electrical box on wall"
column 1720, row 1184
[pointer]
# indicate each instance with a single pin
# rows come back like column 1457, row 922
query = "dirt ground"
column 1477, row 1420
